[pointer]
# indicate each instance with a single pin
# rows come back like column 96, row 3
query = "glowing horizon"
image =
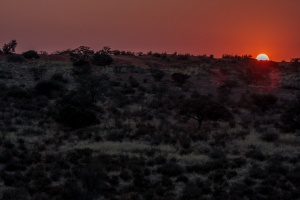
column 197, row 26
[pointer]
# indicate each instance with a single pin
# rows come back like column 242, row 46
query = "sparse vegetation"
column 149, row 126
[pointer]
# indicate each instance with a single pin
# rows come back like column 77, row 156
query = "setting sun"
column 262, row 57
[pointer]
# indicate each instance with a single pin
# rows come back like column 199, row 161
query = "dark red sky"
column 186, row 26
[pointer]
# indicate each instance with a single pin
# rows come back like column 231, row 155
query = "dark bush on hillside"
column 133, row 82
column 17, row 92
column 170, row 169
column 180, row 78
column 15, row 194
column 76, row 117
column 76, row 110
column 31, row 54
column 203, row 108
column 269, row 136
column 290, row 120
column 81, row 68
column 93, row 86
column 264, row 101
column 50, row 88
column 59, row 77
column 255, row 154
column 101, row 59
column 38, row 72
column 157, row 74
column 14, row 58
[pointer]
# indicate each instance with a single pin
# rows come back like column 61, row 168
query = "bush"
column 203, row 108
column 59, row 78
column 50, row 88
column 81, row 68
column 170, row 169
column 183, row 56
column 9, row 48
column 290, row 120
column 76, row 110
column 38, row 72
column 101, row 59
column 76, row 117
column 82, row 54
column 180, row 78
column 157, row 74
column 264, row 101
column 17, row 92
column 14, row 58
column 15, row 194
column 31, row 54
column 269, row 136
column 133, row 82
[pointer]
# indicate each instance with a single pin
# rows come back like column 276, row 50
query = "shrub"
column 59, row 78
column 255, row 154
column 31, row 54
column 76, row 110
column 76, row 117
column 50, row 88
column 38, row 72
column 17, row 92
column 203, row 108
column 171, row 169
column 157, row 74
column 81, row 68
column 264, row 101
column 217, row 154
column 290, row 120
column 14, row 58
column 15, row 194
column 82, row 53
column 180, row 78
column 133, row 82
column 101, row 59
column 9, row 48
column 183, row 56
column 269, row 136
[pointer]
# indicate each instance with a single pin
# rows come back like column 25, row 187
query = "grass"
column 121, row 147
column 145, row 135
column 283, row 146
column 134, row 149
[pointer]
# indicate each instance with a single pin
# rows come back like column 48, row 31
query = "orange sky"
column 186, row 26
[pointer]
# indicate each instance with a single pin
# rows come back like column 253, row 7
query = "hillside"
column 153, row 126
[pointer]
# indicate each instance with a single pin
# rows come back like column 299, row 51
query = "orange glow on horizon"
column 197, row 26
column 262, row 56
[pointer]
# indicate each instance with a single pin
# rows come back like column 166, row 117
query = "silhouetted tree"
column 9, row 47
column 31, row 54
column 101, row 59
column 105, row 50
column 81, row 54
column 204, row 108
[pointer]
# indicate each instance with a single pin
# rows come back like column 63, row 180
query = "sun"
column 262, row 56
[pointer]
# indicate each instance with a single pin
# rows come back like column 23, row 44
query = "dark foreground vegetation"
column 118, row 125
